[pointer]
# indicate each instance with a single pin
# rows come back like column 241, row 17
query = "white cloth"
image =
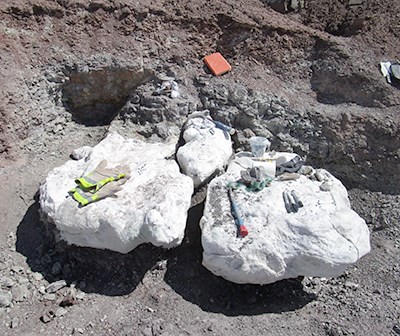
column 385, row 69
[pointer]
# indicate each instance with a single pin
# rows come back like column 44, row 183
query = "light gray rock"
column 151, row 207
column 60, row 312
column 47, row 315
column 18, row 269
column 80, row 295
column 55, row 286
column 207, row 149
column 321, row 239
column 326, row 186
column 5, row 298
column 20, row 293
column 81, row 152
column 49, row 297
column 350, row 285
column 14, row 323
column 23, row 280
column 37, row 276
column 7, row 282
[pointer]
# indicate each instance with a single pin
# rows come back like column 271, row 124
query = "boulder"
column 321, row 239
column 151, row 207
column 207, row 148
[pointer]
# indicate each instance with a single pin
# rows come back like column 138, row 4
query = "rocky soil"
column 71, row 70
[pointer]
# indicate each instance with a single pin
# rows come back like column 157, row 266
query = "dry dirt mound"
column 308, row 78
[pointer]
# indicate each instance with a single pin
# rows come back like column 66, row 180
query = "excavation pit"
column 94, row 97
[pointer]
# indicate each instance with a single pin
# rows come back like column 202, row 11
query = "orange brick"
column 217, row 64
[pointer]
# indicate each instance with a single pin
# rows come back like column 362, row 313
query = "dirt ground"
column 319, row 68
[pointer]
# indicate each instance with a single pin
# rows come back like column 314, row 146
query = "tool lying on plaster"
column 242, row 230
column 225, row 128
column 292, row 201
column 296, row 197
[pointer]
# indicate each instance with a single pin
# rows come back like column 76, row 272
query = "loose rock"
column 37, row 276
column 47, row 316
column 18, row 269
column 23, row 281
column 326, row 186
column 351, row 285
column 80, row 295
column 49, row 297
column 7, row 282
column 5, row 298
column 55, row 286
column 14, row 322
column 19, row 292
column 60, row 312
column 69, row 298
column 81, row 153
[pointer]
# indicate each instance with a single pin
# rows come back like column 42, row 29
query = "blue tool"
column 243, row 232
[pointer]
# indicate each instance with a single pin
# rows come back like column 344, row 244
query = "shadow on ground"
column 186, row 275
column 93, row 271
column 114, row 274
